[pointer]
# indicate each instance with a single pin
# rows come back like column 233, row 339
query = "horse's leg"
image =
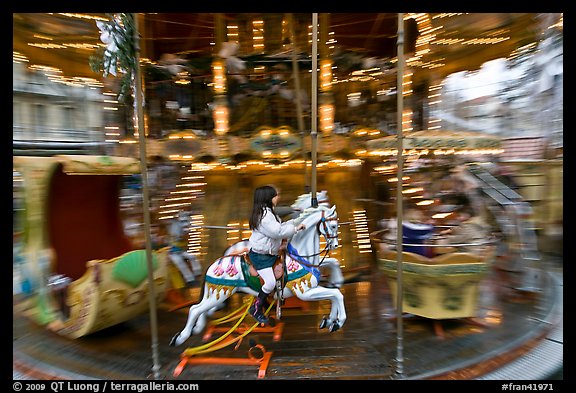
column 337, row 315
column 196, row 318
column 217, row 307
column 336, row 276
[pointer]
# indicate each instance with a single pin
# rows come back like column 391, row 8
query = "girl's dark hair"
column 262, row 199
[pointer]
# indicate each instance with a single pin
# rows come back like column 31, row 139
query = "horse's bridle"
column 323, row 224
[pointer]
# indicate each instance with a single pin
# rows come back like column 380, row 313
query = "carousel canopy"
column 436, row 142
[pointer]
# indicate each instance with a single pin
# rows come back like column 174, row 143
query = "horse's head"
column 323, row 221
column 328, row 227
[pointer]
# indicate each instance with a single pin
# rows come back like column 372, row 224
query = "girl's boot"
column 256, row 310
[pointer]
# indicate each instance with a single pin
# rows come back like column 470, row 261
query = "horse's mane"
column 308, row 212
column 300, row 200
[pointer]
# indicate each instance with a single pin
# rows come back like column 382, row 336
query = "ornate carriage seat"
column 443, row 287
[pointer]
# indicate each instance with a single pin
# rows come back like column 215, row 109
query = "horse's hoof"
column 323, row 323
column 335, row 326
column 173, row 341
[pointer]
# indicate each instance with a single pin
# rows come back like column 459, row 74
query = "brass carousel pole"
column 314, row 114
column 146, row 203
column 296, row 76
column 399, row 199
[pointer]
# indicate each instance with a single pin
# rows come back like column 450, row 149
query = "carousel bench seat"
column 443, row 287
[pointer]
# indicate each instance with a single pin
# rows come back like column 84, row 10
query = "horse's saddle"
column 251, row 276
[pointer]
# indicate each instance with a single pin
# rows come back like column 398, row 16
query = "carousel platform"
column 515, row 336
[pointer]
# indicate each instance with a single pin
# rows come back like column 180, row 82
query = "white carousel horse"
column 336, row 277
column 227, row 276
column 178, row 254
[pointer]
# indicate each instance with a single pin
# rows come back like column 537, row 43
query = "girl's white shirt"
column 267, row 238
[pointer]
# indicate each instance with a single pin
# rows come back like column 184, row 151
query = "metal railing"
column 512, row 213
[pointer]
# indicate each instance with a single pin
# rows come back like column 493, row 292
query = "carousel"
column 84, row 275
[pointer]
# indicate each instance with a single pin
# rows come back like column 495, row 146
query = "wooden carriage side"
column 444, row 287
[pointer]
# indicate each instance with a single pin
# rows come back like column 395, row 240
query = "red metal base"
column 262, row 363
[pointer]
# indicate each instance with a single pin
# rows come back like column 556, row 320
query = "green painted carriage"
column 82, row 272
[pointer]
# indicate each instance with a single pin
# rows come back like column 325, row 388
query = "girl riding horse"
column 230, row 274
column 267, row 234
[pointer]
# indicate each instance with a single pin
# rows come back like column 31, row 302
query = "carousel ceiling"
column 459, row 41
